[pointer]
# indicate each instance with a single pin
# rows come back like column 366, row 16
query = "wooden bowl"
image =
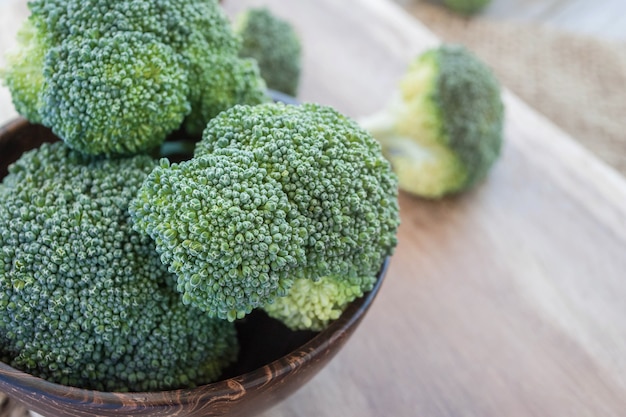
column 273, row 362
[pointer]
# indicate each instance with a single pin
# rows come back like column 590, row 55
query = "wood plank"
column 504, row 301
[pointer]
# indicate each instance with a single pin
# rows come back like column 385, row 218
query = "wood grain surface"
column 506, row 301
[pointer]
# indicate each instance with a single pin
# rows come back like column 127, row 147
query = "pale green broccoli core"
column 84, row 299
column 274, row 44
column 312, row 305
column 333, row 206
column 443, row 130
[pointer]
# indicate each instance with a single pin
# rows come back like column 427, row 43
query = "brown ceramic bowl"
column 268, row 369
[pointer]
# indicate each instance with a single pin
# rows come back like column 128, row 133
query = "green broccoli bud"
column 466, row 7
column 118, row 77
column 85, row 300
column 274, row 44
column 332, row 171
column 312, row 305
column 225, row 227
column 114, row 95
column 273, row 193
column 171, row 21
column 23, row 75
column 444, row 129
column 222, row 80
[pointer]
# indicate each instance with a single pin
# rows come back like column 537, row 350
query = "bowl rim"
column 334, row 332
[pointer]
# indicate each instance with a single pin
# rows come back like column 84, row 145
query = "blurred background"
column 566, row 58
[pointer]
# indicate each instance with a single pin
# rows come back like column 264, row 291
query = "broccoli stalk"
column 313, row 304
column 443, row 130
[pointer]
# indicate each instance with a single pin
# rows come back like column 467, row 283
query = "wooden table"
column 507, row 301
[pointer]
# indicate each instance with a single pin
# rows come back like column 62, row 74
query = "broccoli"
column 118, row 77
column 25, row 78
column 273, row 193
column 275, row 45
column 443, row 130
column 312, row 304
column 225, row 222
column 114, row 107
column 243, row 85
column 84, row 299
column 466, row 7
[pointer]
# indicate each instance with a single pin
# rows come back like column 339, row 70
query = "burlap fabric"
column 577, row 81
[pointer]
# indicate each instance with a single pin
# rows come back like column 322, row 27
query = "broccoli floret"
column 312, row 304
column 332, row 171
column 171, row 21
column 466, row 7
column 25, row 79
column 224, row 226
column 225, row 80
column 85, row 300
column 444, row 129
column 121, row 94
column 117, row 77
column 335, row 209
column 274, row 44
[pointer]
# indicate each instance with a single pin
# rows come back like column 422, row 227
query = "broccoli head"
column 117, row 77
column 443, row 131
column 84, row 299
column 274, row 44
column 309, row 195
column 225, row 227
column 121, row 94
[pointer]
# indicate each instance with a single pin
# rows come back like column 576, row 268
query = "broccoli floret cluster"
column 117, row 77
column 86, row 300
column 130, row 75
column 122, row 273
column 443, row 131
column 311, row 187
column 23, row 74
column 231, row 239
column 274, row 44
